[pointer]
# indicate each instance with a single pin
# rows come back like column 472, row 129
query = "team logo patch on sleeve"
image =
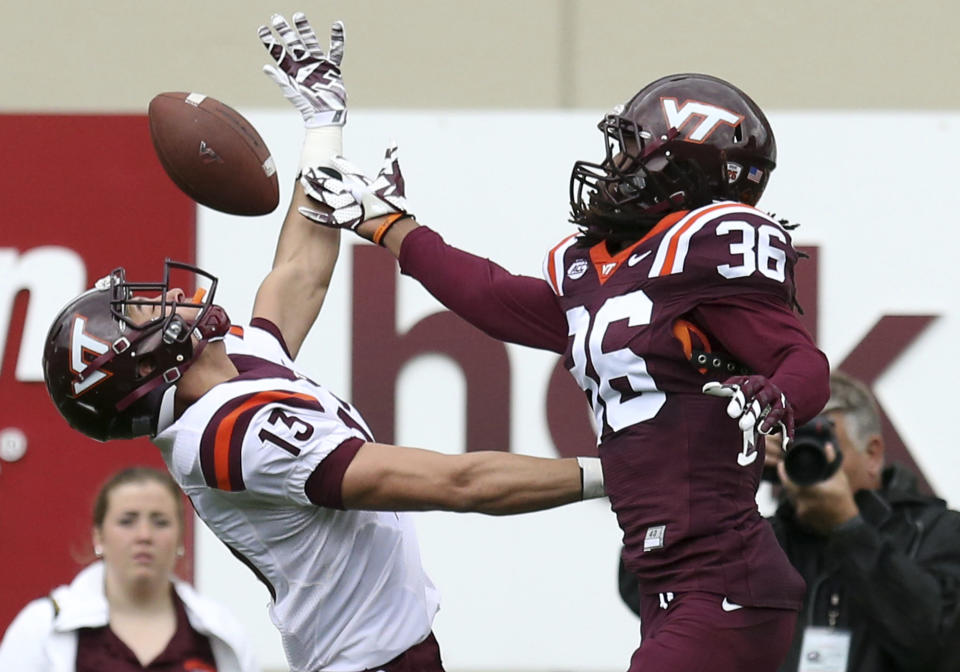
column 221, row 446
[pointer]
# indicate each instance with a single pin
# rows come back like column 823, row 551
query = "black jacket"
column 891, row 576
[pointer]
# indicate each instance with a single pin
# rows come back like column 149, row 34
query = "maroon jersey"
column 100, row 650
column 680, row 475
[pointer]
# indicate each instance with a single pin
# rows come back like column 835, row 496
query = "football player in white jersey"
column 283, row 471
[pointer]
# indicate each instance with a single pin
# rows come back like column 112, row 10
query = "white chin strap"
column 165, row 417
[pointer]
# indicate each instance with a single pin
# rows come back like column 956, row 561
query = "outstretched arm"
column 392, row 478
column 512, row 308
column 508, row 307
column 293, row 292
column 393, row 237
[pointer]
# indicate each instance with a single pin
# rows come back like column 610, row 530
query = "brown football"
column 213, row 154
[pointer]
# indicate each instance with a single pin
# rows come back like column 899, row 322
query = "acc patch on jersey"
column 577, row 269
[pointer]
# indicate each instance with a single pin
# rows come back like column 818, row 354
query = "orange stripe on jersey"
column 236, row 330
column 675, row 238
column 606, row 264
column 224, row 434
column 552, row 263
column 665, row 223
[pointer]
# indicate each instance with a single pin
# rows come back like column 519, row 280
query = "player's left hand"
column 756, row 403
column 350, row 197
column 310, row 79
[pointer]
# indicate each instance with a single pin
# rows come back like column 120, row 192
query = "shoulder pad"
column 727, row 242
column 223, row 439
column 677, row 245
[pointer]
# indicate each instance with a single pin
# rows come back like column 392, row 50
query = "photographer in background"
column 881, row 561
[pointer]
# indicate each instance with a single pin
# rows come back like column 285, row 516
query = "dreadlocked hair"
column 791, row 226
column 617, row 228
column 680, row 185
column 786, row 224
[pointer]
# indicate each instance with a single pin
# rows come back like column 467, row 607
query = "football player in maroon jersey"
column 673, row 281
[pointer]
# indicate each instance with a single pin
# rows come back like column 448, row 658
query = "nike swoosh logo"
column 637, row 258
column 727, row 605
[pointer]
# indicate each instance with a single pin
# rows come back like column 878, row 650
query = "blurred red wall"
column 92, row 186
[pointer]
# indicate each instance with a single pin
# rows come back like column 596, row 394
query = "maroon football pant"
column 696, row 634
column 422, row 657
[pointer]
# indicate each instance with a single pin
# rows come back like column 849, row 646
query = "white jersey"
column 349, row 591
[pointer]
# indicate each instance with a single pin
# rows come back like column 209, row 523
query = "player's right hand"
column 757, row 404
column 310, row 79
column 349, row 197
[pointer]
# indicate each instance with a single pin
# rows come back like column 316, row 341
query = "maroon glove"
column 757, row 403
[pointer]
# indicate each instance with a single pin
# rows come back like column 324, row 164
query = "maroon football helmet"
column 681, row 142
column 107, row 375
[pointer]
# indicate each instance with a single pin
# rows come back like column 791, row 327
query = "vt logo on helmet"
column 84, row 348
column 681, row 142
column 708, row 118
column 113, row 354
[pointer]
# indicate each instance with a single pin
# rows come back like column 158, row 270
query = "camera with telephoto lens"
column 806, row 460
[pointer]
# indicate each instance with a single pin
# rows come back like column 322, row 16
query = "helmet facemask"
column 113, row 384
column 682, row 142
column 622, row 197
column 166, row 342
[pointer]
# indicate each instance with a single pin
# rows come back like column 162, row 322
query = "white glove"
column 311, row 81
column 337, row 192
column 387, row 194
column 348, row 197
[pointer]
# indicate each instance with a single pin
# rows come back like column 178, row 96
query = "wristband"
column 320, row 144
column 591, row 478
column 387, row 223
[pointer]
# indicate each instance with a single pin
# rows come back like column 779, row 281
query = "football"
column 213, row 154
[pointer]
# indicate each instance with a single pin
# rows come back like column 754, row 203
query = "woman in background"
column 127, row 611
